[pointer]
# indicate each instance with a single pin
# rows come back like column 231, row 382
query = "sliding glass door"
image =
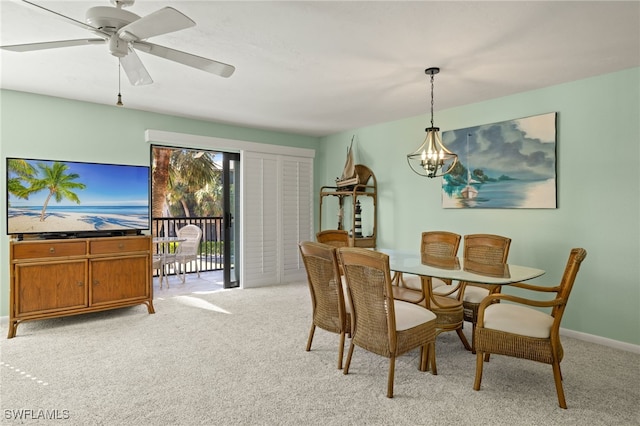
column 200, row 187
column 231, row 201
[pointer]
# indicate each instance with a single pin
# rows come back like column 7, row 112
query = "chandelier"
column 432, row 158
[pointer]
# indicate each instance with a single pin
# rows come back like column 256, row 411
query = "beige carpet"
column 237, row 357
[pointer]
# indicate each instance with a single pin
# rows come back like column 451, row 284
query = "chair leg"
column 463, row 339
column 473, row 337
column 349, row 354
column 557, row 377
column 310, row 339
column 341, row 350
column 479, row 362
column 392, row 368
column 424, row 357
column 434, row 368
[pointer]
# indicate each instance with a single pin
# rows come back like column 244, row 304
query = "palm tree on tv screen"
column 59, row 183
column 19, row 171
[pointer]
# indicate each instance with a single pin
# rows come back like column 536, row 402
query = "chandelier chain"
column 431, row 100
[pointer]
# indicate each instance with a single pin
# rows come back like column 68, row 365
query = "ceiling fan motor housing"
column 109, row 19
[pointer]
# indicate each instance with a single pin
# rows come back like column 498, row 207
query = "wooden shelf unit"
column 367, row 187
column 54, row 278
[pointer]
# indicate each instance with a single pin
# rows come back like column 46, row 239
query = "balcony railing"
column 211, row 250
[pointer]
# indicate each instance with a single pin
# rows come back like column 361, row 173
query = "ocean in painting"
column 504, row 195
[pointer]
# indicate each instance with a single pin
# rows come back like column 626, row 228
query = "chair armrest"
column 492, row 298
column 535, row 287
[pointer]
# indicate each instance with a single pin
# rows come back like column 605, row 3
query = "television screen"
column 76, row 198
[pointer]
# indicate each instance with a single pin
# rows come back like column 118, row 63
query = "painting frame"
column 510, row 164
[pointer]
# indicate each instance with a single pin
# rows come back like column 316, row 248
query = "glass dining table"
column 454, row 268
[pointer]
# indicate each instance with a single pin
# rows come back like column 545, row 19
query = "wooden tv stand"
column 55, row 278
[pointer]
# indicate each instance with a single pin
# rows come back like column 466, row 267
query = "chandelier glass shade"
column 432, row 158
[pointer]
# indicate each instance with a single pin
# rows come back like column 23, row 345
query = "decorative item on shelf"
column 358, row 220
column 432, row 158
column 349, row 176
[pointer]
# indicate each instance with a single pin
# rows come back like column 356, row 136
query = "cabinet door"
column 49, row 287
column 119, row 279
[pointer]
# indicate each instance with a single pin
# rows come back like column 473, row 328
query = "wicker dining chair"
column 333, row 237
column 449, row 311
column 435, row 243
column 381, row 324
column 482, row 249
column 519, row 329
column 329, row 310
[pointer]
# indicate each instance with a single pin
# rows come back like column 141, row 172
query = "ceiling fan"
column 124, row 31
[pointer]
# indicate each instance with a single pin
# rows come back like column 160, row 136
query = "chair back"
column 576, row 257
column 487, row 249
column 369, row 286
column 323, row 277
column 192, row 235
column 440, row 243
column 333, row 237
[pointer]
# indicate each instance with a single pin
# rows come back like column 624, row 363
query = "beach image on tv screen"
column 67, row 197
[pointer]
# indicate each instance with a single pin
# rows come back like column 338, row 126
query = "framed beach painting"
column 505, row 165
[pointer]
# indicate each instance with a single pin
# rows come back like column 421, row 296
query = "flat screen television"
column 64, row 199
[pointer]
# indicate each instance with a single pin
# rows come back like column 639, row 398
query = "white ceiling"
column 320, row 67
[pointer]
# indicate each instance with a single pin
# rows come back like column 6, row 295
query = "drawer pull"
column 121, row 246
column 96, row 282
column 52, row 250
column 80, row 284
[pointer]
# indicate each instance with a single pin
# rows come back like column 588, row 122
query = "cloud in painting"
column 521, row 149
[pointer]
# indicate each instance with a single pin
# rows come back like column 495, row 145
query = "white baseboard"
column 616, row 344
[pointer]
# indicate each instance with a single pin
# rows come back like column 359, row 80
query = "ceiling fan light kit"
column 124, row 31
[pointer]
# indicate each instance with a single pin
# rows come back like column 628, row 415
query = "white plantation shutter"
column 278, row 214
column 297, row 214
column 260, row 224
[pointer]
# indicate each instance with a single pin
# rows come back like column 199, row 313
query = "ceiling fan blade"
column 66, row 18
column 163, row 21
column 208, row 65
column 28, row 47
column 135, row 70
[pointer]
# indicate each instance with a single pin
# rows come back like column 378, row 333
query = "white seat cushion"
column 414, row 282
column 474, row 294
column 409, row 315
column 518, row 319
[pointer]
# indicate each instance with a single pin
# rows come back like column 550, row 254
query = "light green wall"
column 36, row 126
column 598, row 193
column 598, row 180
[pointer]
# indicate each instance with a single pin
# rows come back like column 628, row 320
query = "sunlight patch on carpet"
column 199, row 303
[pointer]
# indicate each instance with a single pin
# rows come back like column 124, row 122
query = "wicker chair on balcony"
column 329, row 310
column 480, row 249
column 440, row 245
column 382, row 325
column 519, row 329
column 188, row 250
